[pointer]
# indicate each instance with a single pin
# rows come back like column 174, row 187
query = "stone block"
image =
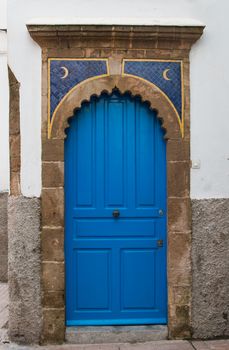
column 3, row 244
column 182, row 295
column 116, row 334
column 53, row 276
column 179, row 251
column 53, row 326
column 4, row 267
column 3, row 213
column 180, row 277
column 15, row 183
column 158, row 345
column 53, row 207
column 53, row 174
column 15, row 141
column 53, row 299
column 14, row 111
column 52, row 244
column 182, row 314
column 53, row 150
column 178, row 179
column 178, row 150
column 179, row 214
column 15, row 163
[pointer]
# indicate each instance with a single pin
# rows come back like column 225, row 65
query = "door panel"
column 93, row 279
column 143, row 296
column 114, row 155
column 115, row 160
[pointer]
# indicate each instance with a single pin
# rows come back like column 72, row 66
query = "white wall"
column 210, row 102
column 4, row 96
column 209, row 80
column 3, row 9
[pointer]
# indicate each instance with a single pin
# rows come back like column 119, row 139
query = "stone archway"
column 166, row 42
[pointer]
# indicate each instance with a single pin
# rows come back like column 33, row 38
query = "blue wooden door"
column 115, row 200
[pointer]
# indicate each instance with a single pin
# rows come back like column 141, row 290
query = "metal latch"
column 116, row 213
column 160, row 243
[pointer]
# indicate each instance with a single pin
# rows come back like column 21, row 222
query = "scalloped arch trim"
column 132, row 85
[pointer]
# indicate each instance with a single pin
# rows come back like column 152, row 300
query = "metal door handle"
column 116, row 213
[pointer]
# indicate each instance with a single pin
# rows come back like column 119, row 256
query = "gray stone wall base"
column 210, row 257
column 3, row 237
column 24, row 269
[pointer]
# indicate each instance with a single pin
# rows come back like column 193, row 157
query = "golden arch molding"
column 116, row 44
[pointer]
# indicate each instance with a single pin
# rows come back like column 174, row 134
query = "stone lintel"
column 148, row 36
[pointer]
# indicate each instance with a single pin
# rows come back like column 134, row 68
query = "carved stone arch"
column 133, row 85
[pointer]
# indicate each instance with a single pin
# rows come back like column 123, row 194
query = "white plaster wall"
column 3, row 9
column 4, row 103
column 209, row 80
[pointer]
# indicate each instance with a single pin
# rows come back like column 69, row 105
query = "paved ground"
column 157, row 345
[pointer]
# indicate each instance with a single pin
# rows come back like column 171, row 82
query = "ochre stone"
column 52, row 244
column 52, row 201
column 182, row 295
column 179, row 214
column 179, row 250
column 178, row 179
column 53, row 276
column 53, row 174
column 53, row 150
column 15, row 187
column 178, row 150
column 53, row 299
column 53, row 325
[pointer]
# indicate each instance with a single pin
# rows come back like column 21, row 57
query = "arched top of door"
column 133, row 85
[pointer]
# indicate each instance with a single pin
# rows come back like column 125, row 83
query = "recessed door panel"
column 114, row 154
column 84, row 160
column 136, row 266
column 92, row 279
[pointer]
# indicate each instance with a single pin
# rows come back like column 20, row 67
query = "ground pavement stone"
column 156, row 345
column 159, row 345
column 211, row 345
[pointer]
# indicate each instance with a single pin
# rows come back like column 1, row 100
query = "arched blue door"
column 115, row 222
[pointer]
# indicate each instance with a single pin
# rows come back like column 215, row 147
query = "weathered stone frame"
column 116, row 43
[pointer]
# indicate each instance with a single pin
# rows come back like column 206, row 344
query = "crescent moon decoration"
column 65, row 72
column 165, row 74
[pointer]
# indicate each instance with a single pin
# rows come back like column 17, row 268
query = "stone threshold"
column 115, row 334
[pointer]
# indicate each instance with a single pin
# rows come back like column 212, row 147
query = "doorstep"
column 115, row 334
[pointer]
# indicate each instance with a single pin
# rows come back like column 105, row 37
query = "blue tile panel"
column 75, row 71
column 153, row 72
